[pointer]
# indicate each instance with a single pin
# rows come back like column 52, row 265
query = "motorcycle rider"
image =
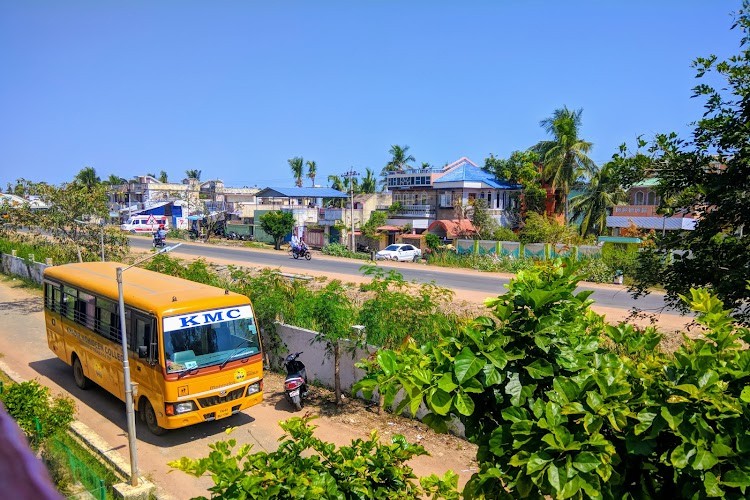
column 160, row 235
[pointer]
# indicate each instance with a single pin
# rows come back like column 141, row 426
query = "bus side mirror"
column 142, row 351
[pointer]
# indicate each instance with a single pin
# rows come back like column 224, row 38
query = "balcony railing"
column 417, row 210
column 635, row 210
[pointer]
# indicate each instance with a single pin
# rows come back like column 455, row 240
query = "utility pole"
column 351, row 174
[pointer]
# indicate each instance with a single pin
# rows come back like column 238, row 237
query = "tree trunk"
column 336, row 375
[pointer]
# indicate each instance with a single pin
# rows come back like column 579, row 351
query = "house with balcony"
column 641, row 212
column 428, row 195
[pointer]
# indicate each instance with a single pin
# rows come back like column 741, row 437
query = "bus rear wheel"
column 149, row 415
column 79, row 376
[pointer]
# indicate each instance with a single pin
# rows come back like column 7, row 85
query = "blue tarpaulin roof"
column 300, row 192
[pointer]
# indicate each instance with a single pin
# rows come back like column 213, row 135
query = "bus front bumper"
column 215, row 412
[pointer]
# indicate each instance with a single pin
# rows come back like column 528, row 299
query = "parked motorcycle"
column 295, row 384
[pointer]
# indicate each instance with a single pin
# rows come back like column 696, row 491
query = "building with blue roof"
column 427, row 195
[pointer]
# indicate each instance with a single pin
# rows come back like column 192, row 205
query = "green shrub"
column 303, row 466
column 595, row 270
column 504, row 234
column 339, row 250
column 622, row 256
column 37, row 413
column 542, row 229
column 564, row 406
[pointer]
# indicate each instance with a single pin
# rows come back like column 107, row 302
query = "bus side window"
column 107, row 321
column 144, row 328
column 70, row 297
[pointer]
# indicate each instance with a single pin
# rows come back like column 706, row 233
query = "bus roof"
column 146, row 290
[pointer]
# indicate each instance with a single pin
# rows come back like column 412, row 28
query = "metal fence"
column 539, row 251
column 79, row 471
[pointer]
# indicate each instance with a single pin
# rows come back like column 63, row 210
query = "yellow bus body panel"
column 217, row 392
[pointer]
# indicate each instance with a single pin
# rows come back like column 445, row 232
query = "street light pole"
column 351, row 174
column 129, row 409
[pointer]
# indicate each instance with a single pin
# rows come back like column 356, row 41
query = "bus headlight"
column 253, row 388
column 179, row 408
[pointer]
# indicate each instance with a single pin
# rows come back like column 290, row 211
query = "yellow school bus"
column 194, row 350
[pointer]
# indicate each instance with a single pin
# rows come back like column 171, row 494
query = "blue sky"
column 234, row 89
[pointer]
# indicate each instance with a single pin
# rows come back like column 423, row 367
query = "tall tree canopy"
column 312, row 170
column 709, row 175
column 369, row 183
column 163, row 176
column 594, row 203
column 87, row 177
column 565, row 156
column 297, row 165
column 193, row 174
column 400, row 159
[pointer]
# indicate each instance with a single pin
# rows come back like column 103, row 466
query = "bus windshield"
column 209, row 338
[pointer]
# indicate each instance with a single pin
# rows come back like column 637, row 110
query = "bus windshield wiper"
column 188, row 371
column 231, row 354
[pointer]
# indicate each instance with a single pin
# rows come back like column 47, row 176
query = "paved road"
column 606, row 296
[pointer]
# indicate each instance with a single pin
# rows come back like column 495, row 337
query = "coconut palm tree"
column 163, row 176
column 297, row 165
column 193, row 174
column 87, row 177
column 312, row 169
column 593, row 205
column 565, row 156
column 399, row 159
column 114, row 180
column 369, row 183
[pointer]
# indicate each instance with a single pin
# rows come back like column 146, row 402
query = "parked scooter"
column 295, row 384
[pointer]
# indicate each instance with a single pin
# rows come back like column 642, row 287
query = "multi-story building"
column 641, row 212
column 428, row 195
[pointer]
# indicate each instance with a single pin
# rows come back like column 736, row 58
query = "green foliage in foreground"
column 339, row 250
column 36, row 412
column 303, row 466
column 564, row 406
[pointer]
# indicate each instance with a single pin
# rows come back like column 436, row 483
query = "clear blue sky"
column 235, row 88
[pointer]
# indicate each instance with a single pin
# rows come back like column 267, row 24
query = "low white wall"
column 16, row 266
column 318, row 362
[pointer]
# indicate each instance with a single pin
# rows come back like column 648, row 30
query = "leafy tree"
column 333, row 316
column 297, row 166
column 425, row 166
column 369, row 183
column 72, row 219
column 593, row 205
column 709, row 175
column 521, row 168
column 87, row 177
column 542, row 229
column 370, row 228
column 277, row 224
column 163, row 176
column 483, row 222
column 564, row 157
column 193, row 174
column 303, row 466
column 312, row 170
column 557, row 411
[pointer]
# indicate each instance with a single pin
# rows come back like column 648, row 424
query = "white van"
column 144, row 223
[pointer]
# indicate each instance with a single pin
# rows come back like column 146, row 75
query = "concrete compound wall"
column 318, row 362
column 23, row 268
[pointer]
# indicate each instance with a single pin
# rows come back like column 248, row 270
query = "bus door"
column 54, row 302
column 144, row 343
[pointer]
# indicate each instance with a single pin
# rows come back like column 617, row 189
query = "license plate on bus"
column 225, row 412
column 295, row 392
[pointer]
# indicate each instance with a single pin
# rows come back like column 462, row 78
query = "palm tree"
column 369, row 183
column 297, row 164
column 193, row 174
column 565, row 157
column 114, row 180
column 87, row 177
column 336, row 183
column 593, row 205
column 399, row 159
column 312, row 169
column 163, row 176
column 425, row 166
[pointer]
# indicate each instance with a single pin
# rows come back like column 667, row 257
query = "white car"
column 401, row 252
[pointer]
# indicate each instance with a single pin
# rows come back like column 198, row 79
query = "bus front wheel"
column 79, row 376
column 149, row 415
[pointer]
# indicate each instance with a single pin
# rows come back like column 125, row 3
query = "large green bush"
column 304, row 467
column 562, row 405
